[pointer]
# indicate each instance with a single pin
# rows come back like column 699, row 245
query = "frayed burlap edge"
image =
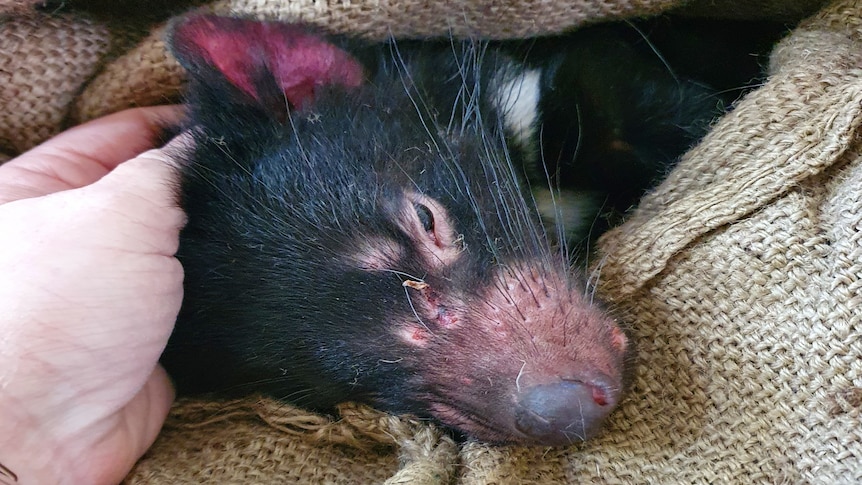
column 258, row 440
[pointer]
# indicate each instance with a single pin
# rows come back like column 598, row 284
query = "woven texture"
column 45, row 62
column 740, row 276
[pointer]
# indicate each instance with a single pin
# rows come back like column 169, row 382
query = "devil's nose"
column 566, row 411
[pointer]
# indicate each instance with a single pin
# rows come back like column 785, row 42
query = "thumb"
column 142, row 193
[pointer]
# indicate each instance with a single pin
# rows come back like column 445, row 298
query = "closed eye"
column 426, row 221
column 426, row 218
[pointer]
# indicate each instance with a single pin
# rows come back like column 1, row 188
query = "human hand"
column 89, row 293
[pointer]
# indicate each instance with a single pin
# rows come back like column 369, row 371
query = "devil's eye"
column 425, row 217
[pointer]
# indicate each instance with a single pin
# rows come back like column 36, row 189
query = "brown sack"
column 741, row 276
column 742, row 279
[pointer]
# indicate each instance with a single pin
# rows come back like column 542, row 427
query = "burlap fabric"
column 741, row 276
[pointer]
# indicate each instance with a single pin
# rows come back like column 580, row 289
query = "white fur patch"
column 516, row 97
column 574, row 210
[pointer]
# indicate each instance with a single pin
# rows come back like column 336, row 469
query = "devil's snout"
column 565, row 411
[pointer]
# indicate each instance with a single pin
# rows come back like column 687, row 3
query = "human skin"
column 89, row 293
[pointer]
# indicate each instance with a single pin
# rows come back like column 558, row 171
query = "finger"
column 84, row 154
column 139, row 425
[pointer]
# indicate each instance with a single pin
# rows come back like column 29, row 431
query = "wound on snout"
column 443, row 317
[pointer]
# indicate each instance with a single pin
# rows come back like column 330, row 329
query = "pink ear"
column 247, row 52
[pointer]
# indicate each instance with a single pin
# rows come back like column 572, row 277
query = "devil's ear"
column 271, row 66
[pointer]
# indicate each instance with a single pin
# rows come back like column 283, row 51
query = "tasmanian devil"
column 361, row 224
